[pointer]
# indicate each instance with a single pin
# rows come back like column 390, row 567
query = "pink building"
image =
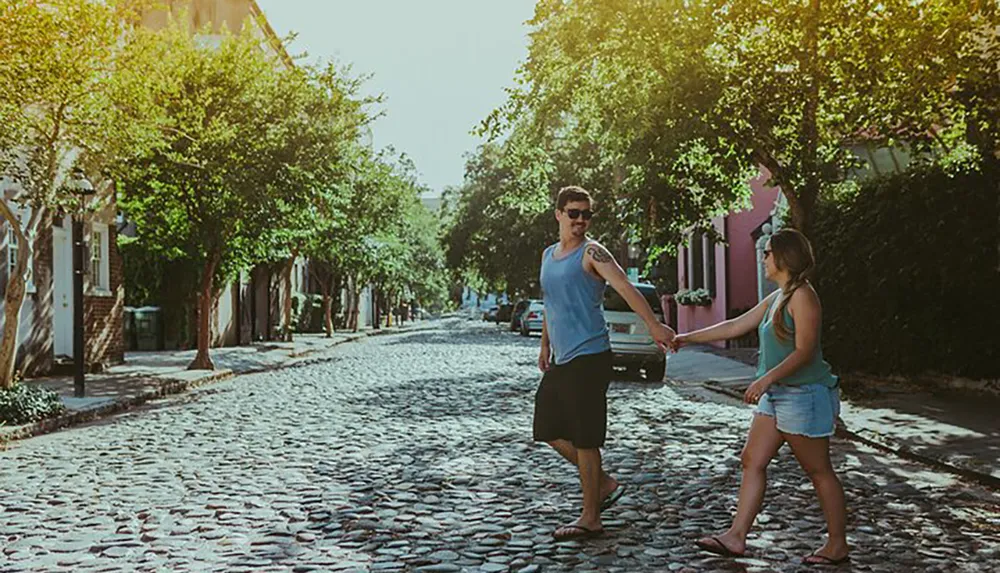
column 728, row 272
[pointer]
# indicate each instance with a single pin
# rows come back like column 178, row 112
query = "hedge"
column 906, row 270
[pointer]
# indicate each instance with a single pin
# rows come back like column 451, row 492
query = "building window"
column 699, row 264
column 698, row 261
column 99, row 275
column 13, row 250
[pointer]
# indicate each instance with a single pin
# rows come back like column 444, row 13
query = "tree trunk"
column 327, row 313
column 324, row 288
column 349, row 311
column 13, row 301
column 17, row 286
column 355, row 297
column 334, row 287
column 286, row 303
column 202, row 361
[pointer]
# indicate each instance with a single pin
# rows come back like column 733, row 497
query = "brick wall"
column 104, row 316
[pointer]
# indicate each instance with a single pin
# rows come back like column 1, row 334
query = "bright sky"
column 442, row 65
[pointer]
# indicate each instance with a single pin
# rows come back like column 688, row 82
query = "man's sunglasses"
column 576, row 213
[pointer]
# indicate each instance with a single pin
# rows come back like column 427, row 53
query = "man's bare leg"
column 567, row 450
column 589, row 464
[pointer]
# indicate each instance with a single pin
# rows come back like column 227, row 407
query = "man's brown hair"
column 573, row 193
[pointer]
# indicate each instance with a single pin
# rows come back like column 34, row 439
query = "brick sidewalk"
column 954, row 429
column 146, row 376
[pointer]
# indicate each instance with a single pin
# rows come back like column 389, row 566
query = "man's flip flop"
column 719, row 548
column 823, row 561
column 577, row 532
column 613, row 497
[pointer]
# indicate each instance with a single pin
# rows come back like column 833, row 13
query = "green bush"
column 22, row 404
column 906, row 269
column 697, row 297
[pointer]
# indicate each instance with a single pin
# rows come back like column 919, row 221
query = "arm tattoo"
column 600, row 254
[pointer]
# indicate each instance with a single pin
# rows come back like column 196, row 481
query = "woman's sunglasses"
column 576, row 213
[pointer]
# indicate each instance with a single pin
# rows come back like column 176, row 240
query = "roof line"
column 272, row 37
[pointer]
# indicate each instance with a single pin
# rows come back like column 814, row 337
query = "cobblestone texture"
column 413, row 453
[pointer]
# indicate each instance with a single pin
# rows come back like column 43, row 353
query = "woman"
column 795, row 392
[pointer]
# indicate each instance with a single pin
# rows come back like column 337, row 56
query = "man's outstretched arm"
column 600, row 261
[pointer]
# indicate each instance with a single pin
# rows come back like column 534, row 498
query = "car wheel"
column 656, row 370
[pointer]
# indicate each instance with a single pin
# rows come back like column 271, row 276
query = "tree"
column 60, row 108
column 335, row 114
column 238, row 148
column 977, row 87
column 687, row 99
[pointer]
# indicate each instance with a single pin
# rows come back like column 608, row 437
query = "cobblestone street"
column 414, row 453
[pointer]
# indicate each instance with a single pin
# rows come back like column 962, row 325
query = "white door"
column 62, row 282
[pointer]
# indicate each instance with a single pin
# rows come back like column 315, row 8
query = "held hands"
column 663, row 335
column 756, row 390
column 679, row 342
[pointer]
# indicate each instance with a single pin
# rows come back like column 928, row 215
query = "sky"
column 441, row 64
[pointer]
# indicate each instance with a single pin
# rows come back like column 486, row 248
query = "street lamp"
column 82, row 188
column 632, row 268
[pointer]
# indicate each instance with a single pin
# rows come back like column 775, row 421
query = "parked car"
column 631, row 344
column 531, row 320
column 516, row 314
column 490, row 314
column 503, row 314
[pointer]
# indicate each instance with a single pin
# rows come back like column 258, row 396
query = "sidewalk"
column 952, row 429
column 146, row 376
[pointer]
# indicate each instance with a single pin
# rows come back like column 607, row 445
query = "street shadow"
column 943, row 425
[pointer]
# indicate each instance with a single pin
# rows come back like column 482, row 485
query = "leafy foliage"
column 60, row 107
column 249, row 153
column 696, row 297
column 23, row 403
column 903, row 271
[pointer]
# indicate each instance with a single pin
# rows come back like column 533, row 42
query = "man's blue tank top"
column 573, row 301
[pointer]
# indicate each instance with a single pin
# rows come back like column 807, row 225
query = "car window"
column 615, row 303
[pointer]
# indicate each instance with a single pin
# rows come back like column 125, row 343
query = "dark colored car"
column 503, row 315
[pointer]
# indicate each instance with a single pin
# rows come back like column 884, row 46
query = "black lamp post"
column 82, row 188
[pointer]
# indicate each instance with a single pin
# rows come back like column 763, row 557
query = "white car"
column 631, row 344
column 532, row 318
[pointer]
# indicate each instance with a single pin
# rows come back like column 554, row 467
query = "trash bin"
column 148, row 328
column 129, row 327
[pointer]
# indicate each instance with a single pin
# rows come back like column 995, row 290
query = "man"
column 575, row 357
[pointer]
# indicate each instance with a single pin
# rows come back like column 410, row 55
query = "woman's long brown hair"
column 792, row 253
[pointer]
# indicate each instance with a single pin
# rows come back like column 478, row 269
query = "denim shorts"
column 809, row 410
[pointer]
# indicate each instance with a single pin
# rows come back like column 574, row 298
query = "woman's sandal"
column 577, row 532
column 815, row 560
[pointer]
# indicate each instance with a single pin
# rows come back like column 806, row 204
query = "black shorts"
column 571, row 402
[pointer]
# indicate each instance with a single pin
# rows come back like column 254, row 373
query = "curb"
column 888, row 446
column 169, row 386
